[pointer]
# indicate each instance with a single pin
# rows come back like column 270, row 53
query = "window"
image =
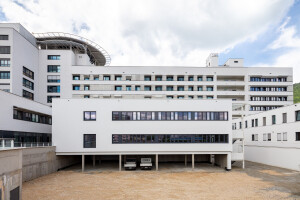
column 254, row 137
column 169, row 88
column 86, row 78
column 191, row 78
column 53, row 57
column 170, row 97
column 76, row 87
column 158, row 78
column 180, row 97
column 49, row 98
column 264, row 121
column 273, row 119
column 264, row 137
column 86, row 96
column 190, row 97
column 252, row 124
column 27, row 72
column 180, row 78
column 147, row 88
column 137, row 88
column 89, row 115
column 284, row 117
column 200, row 97
column 169, row 138
column 4, row 75
column 76, row 77
column 106, row 78
column 236, row 61
column 200, row 88
column 89, row 141
column 210, row 88
column 118, row 88
column 54, row 79
column 86, row 87
column 209, row 97
column 170, row 78
column 27, row 94
column 285, row 136
column 128, row 88
column 53, row 89
column 4, row 62
column 147, row 78
column 180, row 88
column 278, row 136
column 191, row 88
column 298, row 115
column 246, row 124
column 3, row 37
column 209, row 78
column 4, row 49
column 297, row 136
column 256, row 122
column 96, row 78
column 200, row 78
column 28, row 84
column 240, row 125
column 158, row 88
column 269, row 136
column 54, row 68
column 118, row 78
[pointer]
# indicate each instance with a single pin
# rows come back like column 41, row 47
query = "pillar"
column 94, row 160
column 82, row 162
column 120, row 162
column 193, row 161
column 228, row 165
column 156, row 162
column 12, row 143
column 185, row 160
column 3, row 144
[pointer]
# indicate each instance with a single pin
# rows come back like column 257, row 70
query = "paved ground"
column 172, row 181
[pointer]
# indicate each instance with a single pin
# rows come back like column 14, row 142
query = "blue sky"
column 172, row 32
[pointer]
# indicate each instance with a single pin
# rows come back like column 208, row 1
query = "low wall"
column 41, row 161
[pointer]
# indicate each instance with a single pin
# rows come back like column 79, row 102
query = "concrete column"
column 120, row 162
column 193, row 161
column 12, row 143
column 228, row 165
column 3, row 144
column 94, row 160
column 185, row 160
column 82, row 162
column 156, row 162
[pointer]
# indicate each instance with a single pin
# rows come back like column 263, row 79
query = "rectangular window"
column 49, row 98
column 28, row 84
column 53, row 89
column 256, row 122
column 53, row 57
column 264, row 137
column 269, row 136
column 284, row 136
column 4, row 49
column 89, row 141
column 54, row 68
column 118, row 78
column 180, row 88
column 284, row 117
column 209, row 78
column 147, row 78
column 106, row 78
column 180, row 78
column 89, row 115
column 200, row 88
column 254, row 137
column 158, row 78
column 86, row 87
column 3, row 37
column 27, row 94
column 54, row 79
column 200, row 78
column 297, row 115
column 76, row 87
column 170, row 78
column 137, row 88
column 209, row 97
column 273, row 119
column 128, row 88
column 4, row 62
column 147, row 88
column 210, row 89
column 118, row 88
column 278, row 136
column 297, row 136
column 4, row 75
column 191, row 78
column 27, row 72
column 158, row 88
column 264, row 121
column 246, row 124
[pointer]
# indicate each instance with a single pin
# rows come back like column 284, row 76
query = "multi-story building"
column 58, row 65
column 271, row 137
column 142, row 127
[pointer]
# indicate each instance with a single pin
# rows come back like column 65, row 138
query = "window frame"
column 92, row 145
column 85, row 119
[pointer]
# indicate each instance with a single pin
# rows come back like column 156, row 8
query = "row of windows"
column 28, row 84
column 168, row 96
column 53, row 79
column 170, row 116
column 280, row 137
column 53, row 57
column 260, row 79
column 49, row 98
column 261, row 98
column 3, row 37
column 27, row 72
column 31, row 116
column 269, row 89
column 4, row 62
column 53, row 68
column 168, row 138
column 28, row 95
column 263, row 108
column 160, row 88
column 53, row 89
column 4, row 75
column 4, row 49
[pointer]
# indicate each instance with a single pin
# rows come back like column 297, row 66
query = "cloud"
column 166, row 32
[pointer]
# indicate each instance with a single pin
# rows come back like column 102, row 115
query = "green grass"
column 296, row 92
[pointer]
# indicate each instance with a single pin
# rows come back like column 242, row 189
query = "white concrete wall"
column 277, row 153
column 8, row 101
column 69, row 126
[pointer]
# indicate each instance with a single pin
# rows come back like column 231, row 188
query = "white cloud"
column 151, row 32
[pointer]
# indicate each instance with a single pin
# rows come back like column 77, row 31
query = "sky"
column 172, row 32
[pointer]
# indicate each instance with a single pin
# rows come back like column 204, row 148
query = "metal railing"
column 10, row 143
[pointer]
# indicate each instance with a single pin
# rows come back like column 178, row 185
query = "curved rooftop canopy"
column 59, row 40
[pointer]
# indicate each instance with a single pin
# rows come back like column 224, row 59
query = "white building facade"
column 25, row 122
column 143, row 127
column 272, row 137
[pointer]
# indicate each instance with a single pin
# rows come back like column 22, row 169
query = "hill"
column 297, row 93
